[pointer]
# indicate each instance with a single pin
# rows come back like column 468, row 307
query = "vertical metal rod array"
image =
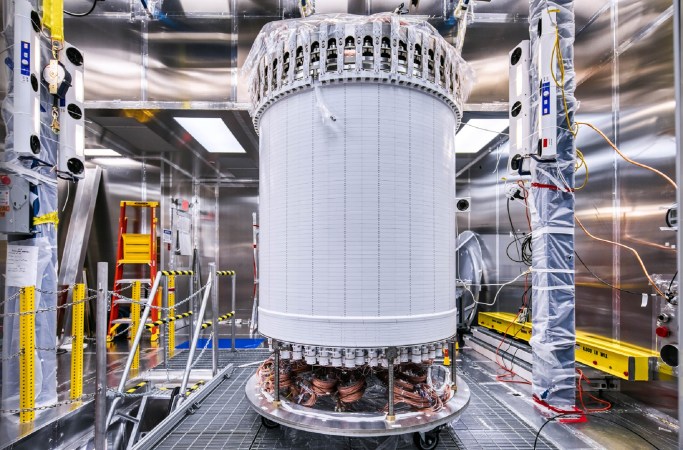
column 214, row 321
column 136, row 295
column 197, row 330
column 454, row 356
column 678, row 72
column 276, row 370
column 27, row 357
column 163, row 331
column 101, row 357
column 234, row 313
column 136, row 344
column 77, row 323
column 170, row 285
column 391, row 416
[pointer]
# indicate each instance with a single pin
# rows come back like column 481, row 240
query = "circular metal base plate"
column 353, row 424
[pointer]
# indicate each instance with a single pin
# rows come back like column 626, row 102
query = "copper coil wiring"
column 352, row 392
column 323, row 387
column 305, row 384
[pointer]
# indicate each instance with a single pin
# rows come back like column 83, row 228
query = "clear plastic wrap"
column 552, row 216
column 43, row 197
column 284, row 42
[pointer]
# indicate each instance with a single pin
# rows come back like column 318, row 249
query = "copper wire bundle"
column 323, row 387
column 352, row 392
column 301, row 384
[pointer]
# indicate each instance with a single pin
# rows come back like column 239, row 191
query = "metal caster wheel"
column 426, row 441
column 269, row 423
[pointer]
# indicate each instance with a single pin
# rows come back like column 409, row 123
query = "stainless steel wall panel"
column 112, row 54
column 235, row 251
column 191, row 59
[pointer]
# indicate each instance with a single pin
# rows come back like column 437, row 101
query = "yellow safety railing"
column 170, row 300
column 27, row 336
column 77, row 323
column 135, row 318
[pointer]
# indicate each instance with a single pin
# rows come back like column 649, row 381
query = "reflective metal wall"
column 624, row 64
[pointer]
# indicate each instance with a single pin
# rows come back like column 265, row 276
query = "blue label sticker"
column 25, row 58
column 545, row 98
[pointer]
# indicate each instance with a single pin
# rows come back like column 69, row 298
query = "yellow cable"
column 631, row 249
column 626, row 158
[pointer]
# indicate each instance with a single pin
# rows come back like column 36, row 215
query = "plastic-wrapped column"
column 357, row 210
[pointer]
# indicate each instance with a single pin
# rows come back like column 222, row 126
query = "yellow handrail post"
column 171, row 312
column 77, row 323
column 135, row 319
column 27, row 344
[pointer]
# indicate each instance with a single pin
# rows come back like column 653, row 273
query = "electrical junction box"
column 14, row 205
column 520, row 107
column 72, row 133
column 26, row 111
column 547, row 70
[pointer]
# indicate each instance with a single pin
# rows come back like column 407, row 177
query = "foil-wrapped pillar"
column 552, row 188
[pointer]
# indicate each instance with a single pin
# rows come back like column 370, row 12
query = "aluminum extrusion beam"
column 678, row 70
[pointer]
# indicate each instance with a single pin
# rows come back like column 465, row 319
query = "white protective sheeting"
column 357, row 239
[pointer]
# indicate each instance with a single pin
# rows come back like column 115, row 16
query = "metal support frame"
column 454, row 356
column 197, row 331
column 136, row 295
column 234, row 313
column 170, row 303
column 27, row 357
column 392, row 353
column 678, row 71
column 163, row 329
column 78, row 233
column 136, row 344
column 214, row 320
column 77, row 324
column 552, row 219
column 101, row 356
column 276, row 371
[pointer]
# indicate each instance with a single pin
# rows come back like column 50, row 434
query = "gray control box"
column 14, row 205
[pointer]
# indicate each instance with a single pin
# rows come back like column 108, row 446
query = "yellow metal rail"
column 619, row 359
column 27, row 345
column 77, row 323
column 135, row 319
column 170, row 299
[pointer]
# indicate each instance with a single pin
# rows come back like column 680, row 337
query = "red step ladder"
column 134, row 249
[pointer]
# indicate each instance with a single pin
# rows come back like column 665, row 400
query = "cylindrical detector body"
column 357, row 236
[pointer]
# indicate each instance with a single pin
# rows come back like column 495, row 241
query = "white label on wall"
column 22, row 265
column 168, row 236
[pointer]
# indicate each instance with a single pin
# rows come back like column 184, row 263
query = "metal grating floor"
column 225, row 357
column 226, row 421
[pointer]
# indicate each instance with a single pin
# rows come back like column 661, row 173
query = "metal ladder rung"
column 125, row 301
column 132, row 280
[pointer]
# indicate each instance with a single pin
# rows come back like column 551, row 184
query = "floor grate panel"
column 226, row 421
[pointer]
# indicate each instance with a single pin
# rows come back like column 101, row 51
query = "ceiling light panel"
column 212, row 133
column 475, row 134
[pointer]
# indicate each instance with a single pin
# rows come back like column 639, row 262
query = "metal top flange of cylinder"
column 357, row 118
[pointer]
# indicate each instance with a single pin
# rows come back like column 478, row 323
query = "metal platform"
column 225, row 420
column 354, row 424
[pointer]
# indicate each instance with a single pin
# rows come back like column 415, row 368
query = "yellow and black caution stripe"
column 220, row 319
column 151, row 325
column 136, row 387
column 194, row 387
column 168, row 273
column 226, row 273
